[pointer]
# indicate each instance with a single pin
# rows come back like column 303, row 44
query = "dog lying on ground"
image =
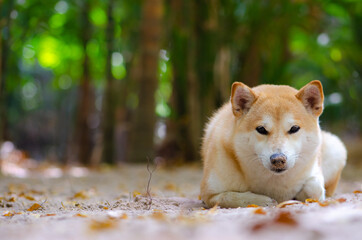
column 266, row 145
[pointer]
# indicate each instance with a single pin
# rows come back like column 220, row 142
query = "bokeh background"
column 110, row 81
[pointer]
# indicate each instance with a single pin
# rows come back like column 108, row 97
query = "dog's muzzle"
column 279, row 162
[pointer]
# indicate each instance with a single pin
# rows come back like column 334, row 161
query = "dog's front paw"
column 264, row 201
column 313, row 189
column 239, row 199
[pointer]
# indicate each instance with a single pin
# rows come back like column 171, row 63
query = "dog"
column 265, row 146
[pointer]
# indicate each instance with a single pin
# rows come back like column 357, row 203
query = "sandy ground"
column 110, row 204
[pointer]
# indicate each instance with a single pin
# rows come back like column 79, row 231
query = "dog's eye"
column 261, row 130
column 294, row 129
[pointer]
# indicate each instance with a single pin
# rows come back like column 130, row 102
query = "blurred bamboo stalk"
column 82, row 131
column 143, row 124
column 109, row 101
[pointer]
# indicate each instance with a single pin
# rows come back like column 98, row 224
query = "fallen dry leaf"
column 285, row 218
column 34, row 207
column 259, row 226
column 310, row 200
column 331, row 201
column 82, row 195
column 135, row 194
column 35, row 192
column 288, row 203
column 259, row 211
column 170, row 187
column 80, row 215
column 9, row 214
column 357, row 191
column 102, row 225
column 324, row 204
column 48, row 215
column 158, row 215
column 30, row 198
column 252, row 206
column 12, row 199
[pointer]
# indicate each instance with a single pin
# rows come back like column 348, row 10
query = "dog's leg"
column 334, row 156
column 332, row 185
column 238, row 199
column 313, row 188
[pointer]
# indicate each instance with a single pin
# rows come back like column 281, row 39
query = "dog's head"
column 277, row 125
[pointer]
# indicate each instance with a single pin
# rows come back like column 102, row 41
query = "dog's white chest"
column 279, row 187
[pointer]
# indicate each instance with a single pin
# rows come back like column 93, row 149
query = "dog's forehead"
column 285, row 119
column 275, row 90
column 278, row 106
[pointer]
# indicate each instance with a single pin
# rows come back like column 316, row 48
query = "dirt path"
column 109, row 205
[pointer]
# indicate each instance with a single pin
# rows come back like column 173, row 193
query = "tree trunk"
column 178, row 145
column 143, row 127
column 83, row 135
column 251, row 64
column 4, row 50
column 222, row 73
column 206, row 50
column 109, row 99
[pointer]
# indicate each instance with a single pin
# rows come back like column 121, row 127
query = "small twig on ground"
column 148, row 188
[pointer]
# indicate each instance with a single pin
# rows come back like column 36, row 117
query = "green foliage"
column 295, row 41
column 164, row 90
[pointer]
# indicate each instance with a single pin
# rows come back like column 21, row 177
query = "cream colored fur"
column 237, row 158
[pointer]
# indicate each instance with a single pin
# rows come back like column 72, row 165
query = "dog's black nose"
column 278, row 160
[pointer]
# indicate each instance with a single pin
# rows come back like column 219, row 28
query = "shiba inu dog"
column 266, row 146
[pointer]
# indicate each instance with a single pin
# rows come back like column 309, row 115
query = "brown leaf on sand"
column 82, row 195
column 285, row 218
column 9, row 214
column 259, row 211
column 252, row 206
column 48, row 215
column 36, row 192
column 80, row 215
column 170, row 187
column 331, row 201
column 34, row 207
column 158, row 215
column 341, row 200
column 12, row 199
column 310, row 200
column 288, row 203
column 259, row 226
column 136, row 193
column 102, row 225
column 324, row 204
column 28, row 197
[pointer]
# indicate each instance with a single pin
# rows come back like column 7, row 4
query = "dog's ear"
column 242, row 97
column 311, row 95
